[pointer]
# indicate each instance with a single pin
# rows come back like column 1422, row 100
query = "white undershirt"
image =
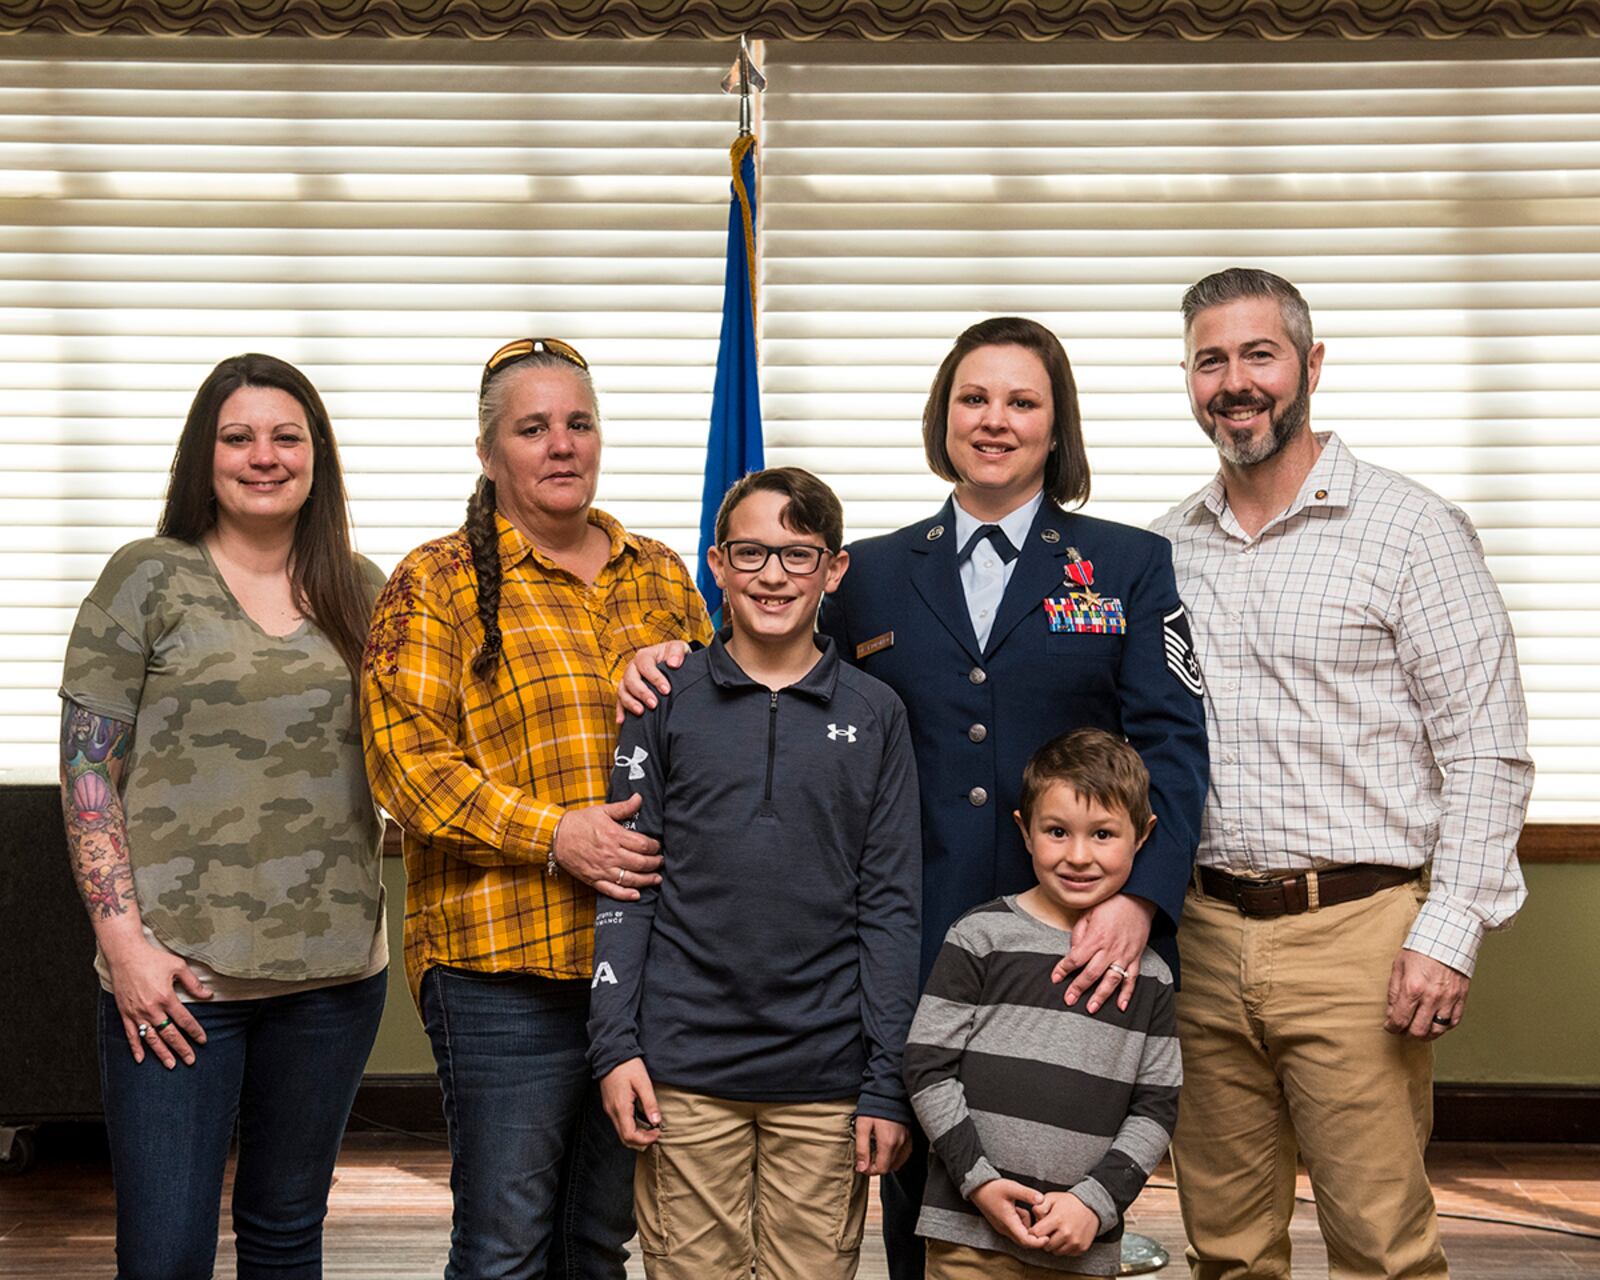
column 984, row 575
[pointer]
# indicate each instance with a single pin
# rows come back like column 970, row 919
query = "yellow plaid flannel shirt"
column 479, row 772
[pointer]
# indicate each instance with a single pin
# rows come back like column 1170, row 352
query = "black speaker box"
column 48, row 989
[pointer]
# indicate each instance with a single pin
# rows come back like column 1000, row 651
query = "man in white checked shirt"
column 1369, row 778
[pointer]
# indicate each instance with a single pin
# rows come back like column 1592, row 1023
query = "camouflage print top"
column 253, row 838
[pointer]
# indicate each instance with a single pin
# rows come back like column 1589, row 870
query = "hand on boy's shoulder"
column 1107, row 947
column 644, row 682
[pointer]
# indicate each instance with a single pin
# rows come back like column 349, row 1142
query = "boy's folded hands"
column 1067, row 1224
column 630, row 1101
column 1009, row 1206
column 1057, row 1222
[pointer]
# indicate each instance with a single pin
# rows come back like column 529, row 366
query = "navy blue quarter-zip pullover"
column 777, row 960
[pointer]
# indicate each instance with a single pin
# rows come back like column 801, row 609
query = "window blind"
column 382, row 214
column 385, row 213
column 1436, row 203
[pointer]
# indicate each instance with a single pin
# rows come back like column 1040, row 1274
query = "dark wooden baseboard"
column 1516, row 1113
column 412, row 1104
column 1461, row 1112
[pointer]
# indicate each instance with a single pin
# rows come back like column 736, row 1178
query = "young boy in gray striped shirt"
column 1045, row 1119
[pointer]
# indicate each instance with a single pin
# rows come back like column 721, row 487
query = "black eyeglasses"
column 522, row 348
column 799, row 558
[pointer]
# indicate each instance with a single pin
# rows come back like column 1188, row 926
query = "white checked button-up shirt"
column 1362, row 695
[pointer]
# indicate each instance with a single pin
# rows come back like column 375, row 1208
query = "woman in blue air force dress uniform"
column 1002, row 621
column 998, row 642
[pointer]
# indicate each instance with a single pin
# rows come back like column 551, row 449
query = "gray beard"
column 1242, row 450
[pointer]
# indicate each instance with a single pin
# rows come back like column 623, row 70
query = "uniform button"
column 977, row 675
column 977, row 796
column 978, row 732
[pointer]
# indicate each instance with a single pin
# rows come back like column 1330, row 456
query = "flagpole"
column 734, row 445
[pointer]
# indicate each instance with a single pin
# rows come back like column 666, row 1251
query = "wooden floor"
column 390, row 1212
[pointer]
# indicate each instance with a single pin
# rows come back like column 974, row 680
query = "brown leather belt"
column 1291, row 895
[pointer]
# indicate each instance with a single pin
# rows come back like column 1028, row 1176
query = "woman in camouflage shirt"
column 223, row 837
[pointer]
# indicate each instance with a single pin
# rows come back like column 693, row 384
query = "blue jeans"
column 286, row 1069
column 542, row 1185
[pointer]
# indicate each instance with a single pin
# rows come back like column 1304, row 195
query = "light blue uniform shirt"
column 984, row 574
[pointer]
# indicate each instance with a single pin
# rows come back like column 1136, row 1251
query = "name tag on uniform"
column 868, row 647
column 1084, row 611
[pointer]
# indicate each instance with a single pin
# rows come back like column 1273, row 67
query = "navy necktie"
column 997, row 538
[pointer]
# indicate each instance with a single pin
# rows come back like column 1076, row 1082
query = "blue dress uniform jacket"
column 976, row 717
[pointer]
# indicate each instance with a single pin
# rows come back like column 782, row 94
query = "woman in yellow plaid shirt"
column 488, row 696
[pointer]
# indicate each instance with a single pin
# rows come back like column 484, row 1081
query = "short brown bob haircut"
column 1098, row 766
column 813, row 507
column 1066, row 468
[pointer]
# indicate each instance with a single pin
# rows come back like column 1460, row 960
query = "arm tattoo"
column 93, row 751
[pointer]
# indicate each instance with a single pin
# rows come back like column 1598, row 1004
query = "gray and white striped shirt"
column 1362, row 696
column 1008, row 1081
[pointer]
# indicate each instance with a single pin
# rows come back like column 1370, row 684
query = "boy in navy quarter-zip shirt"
column 748, row 1014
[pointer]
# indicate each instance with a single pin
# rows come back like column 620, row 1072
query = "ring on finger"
column 1442, row 1022
column 162, row 1025
column 622, row 875
column 142, row 1030
column 1117, row 969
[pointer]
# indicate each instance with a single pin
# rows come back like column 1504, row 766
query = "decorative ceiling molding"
column 952, row 20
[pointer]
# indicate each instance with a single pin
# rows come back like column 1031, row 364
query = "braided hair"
column 482, row 530
column 483, row 539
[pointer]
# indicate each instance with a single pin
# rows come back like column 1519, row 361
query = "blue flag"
column 734, row 446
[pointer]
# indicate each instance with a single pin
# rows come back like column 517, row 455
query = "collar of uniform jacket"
column 937, row 534
column 818, row 683
column 514, row 547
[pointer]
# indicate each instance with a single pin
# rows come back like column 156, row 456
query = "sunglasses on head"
column 522, row 348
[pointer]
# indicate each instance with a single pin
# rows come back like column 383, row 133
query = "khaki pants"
column 1281, row 1023
column 948, row 1261
column 731, row 1183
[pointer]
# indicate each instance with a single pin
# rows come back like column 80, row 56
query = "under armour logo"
column 602, row 973
column 632, row 763
column 848, row 733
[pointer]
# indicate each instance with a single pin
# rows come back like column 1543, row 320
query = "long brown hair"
column 1066, row 466
column 323, row 577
